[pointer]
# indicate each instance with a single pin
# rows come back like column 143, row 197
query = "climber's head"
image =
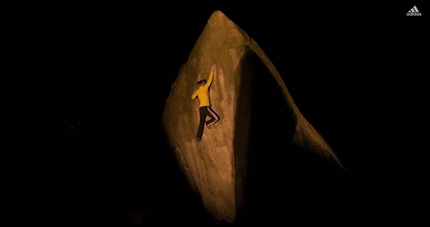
column 201, row 82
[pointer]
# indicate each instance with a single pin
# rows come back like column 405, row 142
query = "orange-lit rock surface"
column 217, row 166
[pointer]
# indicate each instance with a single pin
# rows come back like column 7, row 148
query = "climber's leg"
column 203, row 113
column 214, row 117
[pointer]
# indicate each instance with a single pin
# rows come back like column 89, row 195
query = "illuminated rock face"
column 217, row 166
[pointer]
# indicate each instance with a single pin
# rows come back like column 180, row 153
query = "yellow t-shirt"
column 203, row 92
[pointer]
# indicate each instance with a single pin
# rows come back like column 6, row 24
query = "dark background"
column 120, row 62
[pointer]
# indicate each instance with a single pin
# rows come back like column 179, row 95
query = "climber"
column 202, row 91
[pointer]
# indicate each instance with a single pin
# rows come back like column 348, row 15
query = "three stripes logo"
column 413, row 12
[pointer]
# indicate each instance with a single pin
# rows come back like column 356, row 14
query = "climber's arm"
column 194, row 95
column 211, row 77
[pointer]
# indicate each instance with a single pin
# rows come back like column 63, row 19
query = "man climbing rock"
column 202, row 92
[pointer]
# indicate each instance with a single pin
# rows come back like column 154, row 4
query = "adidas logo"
column 413, row 12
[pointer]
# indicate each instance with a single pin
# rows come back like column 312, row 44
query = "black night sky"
column 120, row 62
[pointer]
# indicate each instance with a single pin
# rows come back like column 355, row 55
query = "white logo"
column 413, row 12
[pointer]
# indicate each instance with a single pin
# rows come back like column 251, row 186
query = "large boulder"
column 245, row 82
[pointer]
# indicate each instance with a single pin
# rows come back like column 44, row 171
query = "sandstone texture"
column 217, row 166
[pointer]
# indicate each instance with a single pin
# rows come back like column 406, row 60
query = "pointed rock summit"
column 259, row 121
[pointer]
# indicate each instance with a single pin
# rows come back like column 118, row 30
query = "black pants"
column 206, row 111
